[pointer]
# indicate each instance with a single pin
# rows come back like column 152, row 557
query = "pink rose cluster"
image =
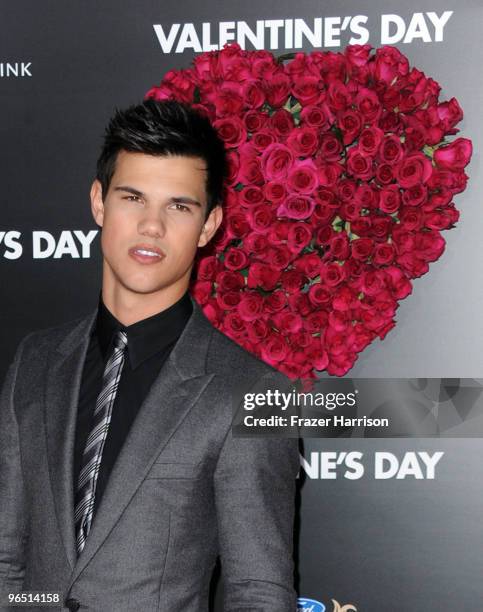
column 341, row 179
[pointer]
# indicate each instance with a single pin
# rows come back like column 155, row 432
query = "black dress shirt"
column 149, row 343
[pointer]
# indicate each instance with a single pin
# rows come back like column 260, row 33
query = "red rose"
column 251, row 196
column 369, row 105
column 381, row 227
column 281, row 122
column 338, row 96
column 308, row 89
column 229, row 281
column 253, row 94
column 250, row 172
column 391, row 151
column 227, row 103
column 250, row 306
column 277, row 257
column 213, row 313
column 414, row 168
column 413, row 265
column 260, row 218
column 399, row 284
column 277, row 90
column 231, row 130
column 350, row 124
column 449, row 113
column 278, row 233
column 410, row 219
column 228, row 300
column 454, row 156
column 384, row 174
column 447, row 179
column 339, row 247
column 362, row 248
column 329, row 174
column 254, row 120
column 292, row 281
column 390, row 199
column 302, row 177
column 315, row 322
column 263, row 276
column 275, row 301
column 366, row 196
column 390, row 64
column 257, row 330
column 308, row 264
column 233, row 162
column 255, row 243
column 330, row 148
column 262, row 139
column 383, row 254
column 430, row 245
column 234, row 325
column 440, row 220
column 322, row 215
column 317, row 116
column 207, row 268
column 299, row 302
column 344, row 299
column 415, row 196
column 303, row 141
column 274, row 349
column 201, row 291
column 276, row 162
column 319, row 295
column 332, row 274
column 299, row 236
column 237, row 225
column 235, row 259
column 370, row 140
column 359, row 165
column 296, row 207
column 275, row 192
column 287, row 322
column 361, row 226
column 346, row 189
column 358, row 55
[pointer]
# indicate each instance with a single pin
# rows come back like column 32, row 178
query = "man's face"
column 153, row 221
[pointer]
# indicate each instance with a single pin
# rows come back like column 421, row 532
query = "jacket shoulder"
column 54, row 336
column 226, row 357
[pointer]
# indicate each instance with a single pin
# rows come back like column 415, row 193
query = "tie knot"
column 120, row 341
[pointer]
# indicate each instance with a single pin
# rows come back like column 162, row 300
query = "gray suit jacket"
column 182, row 491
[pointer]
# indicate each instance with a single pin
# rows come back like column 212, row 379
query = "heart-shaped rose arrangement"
column 340, row 182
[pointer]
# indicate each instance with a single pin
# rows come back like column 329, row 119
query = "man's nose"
column 152, row 224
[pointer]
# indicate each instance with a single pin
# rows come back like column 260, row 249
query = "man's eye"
column 181, row 207
column 132, row 198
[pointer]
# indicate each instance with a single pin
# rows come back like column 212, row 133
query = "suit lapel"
column 62, row 394
column 177, row 388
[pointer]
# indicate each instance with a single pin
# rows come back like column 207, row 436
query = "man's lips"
column 144, row 253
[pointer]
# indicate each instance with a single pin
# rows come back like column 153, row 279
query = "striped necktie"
column 92, row 456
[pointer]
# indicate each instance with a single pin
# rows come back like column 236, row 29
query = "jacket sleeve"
column 255, row 502
column 13, row 520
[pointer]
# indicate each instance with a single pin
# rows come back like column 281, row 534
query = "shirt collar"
column 147, row 337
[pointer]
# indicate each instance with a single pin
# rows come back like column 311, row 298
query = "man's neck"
column 129, row 308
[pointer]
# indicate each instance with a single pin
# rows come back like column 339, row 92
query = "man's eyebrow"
column 135, row 192
column 174, row 200
column 185, row 200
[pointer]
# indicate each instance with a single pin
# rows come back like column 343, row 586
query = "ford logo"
column 309, row 605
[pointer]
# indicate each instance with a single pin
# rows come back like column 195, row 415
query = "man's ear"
column 211, row 225
column 97, row 205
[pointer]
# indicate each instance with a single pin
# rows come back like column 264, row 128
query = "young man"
column 120, row 480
